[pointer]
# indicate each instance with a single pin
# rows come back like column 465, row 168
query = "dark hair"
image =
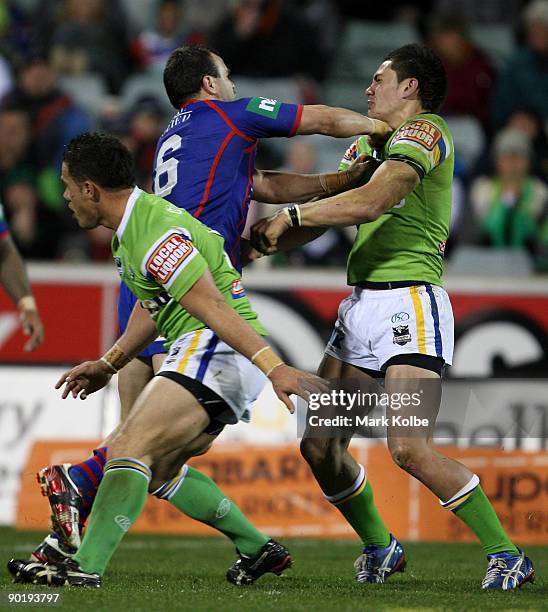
column 100, row 158
column 420, row 62
column 184, row 71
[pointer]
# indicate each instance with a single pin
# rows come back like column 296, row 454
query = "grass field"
column 174, row 573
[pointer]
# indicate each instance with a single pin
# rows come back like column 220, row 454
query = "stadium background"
column 68, row 66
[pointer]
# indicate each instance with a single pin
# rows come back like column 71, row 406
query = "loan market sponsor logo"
column 424, row 132
column 401, row 334
column 237, row 290
column 168, row 256
column 119, row 265
column 267, row 107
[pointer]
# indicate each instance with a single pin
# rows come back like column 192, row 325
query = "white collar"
column 128, row 210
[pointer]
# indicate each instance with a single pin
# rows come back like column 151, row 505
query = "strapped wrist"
column 293, row 214
column 334, row 182
column 266, row 360
column 27, row 303
column 115, row 358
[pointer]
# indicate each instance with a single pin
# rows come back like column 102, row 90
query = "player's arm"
column 391, row 182
column 14, row 279
column 339, row 122
column 91, row 376
column 274, row 187
column 206, row 303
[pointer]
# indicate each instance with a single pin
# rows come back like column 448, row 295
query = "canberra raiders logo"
column 401, row 334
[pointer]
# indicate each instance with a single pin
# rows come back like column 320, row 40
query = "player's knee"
column 321, row 452
column 200, row 448
column 409, row 454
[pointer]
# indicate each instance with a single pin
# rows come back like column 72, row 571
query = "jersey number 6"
column 166, row 167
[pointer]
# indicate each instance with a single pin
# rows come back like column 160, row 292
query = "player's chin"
column 373, row 113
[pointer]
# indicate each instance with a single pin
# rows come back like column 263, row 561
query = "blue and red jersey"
column 204, row 163
column 205, row 159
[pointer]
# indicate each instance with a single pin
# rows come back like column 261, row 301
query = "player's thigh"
column 132, row 379
column 166, row 417
column 415, row 401
column 157, row 361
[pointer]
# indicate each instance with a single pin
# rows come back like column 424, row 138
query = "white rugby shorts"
column 201, row 355
column 375, row 325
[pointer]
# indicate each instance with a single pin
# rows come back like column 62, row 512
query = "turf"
column 174, row 573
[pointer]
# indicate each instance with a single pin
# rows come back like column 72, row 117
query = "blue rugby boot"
column 506, row 571
column 377, row 564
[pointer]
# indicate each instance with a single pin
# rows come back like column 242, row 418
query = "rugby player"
column 398, row 322
column 205, row 164
column 218, row 360
column 14, row 279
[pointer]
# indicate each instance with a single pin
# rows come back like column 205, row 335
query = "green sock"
column 362, row 514
column 201, row 499
column 120, row 499
column 478, row 513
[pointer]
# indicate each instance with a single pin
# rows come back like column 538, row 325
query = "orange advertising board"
column 275, row 489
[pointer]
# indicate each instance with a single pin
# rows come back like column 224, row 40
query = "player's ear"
column 209, row 84
column 91, row 190
column 411, row 88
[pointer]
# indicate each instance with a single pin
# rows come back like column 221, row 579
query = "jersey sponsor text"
column 168, row 257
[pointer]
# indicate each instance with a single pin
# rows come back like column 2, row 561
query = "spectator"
column 470, row 74
column 54, row 120
column 35, row 229
column 490, row 12
column 262, row 38
column 530, row 123
column 146, row 124
column 151, row 48
column 524, row 82
column 510, row 206
column 86, row 41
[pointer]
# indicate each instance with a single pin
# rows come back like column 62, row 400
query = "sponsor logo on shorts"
column 424, row 132
column 169, row 256
column 122, row 521
column 237, row 290
column 400, row 317
column 267, row 107
column 401, row 334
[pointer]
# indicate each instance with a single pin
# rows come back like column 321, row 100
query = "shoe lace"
column 364, row 566
column 495, row 568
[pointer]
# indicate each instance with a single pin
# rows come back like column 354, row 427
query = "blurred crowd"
column 67, row 66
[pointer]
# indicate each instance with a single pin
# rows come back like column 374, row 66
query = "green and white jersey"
column 160, row 251
column 408, row 241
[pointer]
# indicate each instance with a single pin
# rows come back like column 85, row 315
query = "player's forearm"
column 274, row 187
column 281, row 187
column 231, row 328
column 338, row 122
column 207, row 304
column 13, row 275
column 392, row 182
column 141, row 330
column 351, row 208
column 296, row 237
